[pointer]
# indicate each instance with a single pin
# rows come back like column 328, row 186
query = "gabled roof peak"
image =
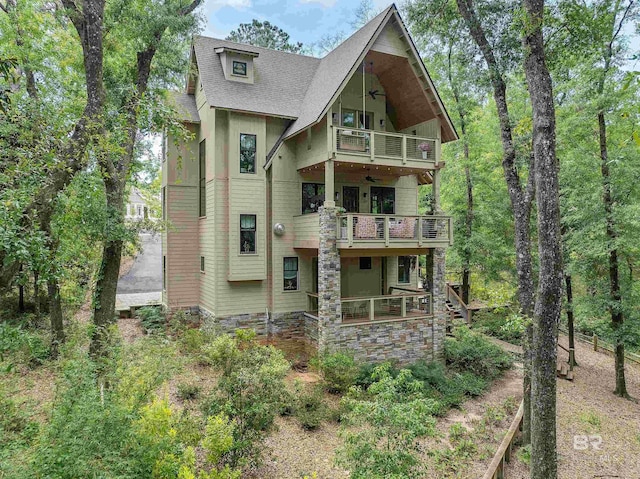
column 300, row 87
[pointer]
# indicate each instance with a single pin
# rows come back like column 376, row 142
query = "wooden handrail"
column 462, row 303
column 503, row 454
column 383, row 133
column 602, row 344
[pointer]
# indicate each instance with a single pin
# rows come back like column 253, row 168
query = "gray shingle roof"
column 185, row 106
column 332, row 72
column 281, row 79
column 288, row 85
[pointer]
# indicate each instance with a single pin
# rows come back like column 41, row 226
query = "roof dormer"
column 237, row 63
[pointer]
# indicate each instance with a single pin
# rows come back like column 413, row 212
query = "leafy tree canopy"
column 264, row 34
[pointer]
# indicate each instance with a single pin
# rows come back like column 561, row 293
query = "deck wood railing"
column 503, row 454
column 389, row 229
column 375, row 308
column 385, row 145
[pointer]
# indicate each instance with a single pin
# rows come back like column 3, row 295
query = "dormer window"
column 238, row 63
column 240, row 68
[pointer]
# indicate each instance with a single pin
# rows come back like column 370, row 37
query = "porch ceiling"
column 355, row 172
column 410, row 103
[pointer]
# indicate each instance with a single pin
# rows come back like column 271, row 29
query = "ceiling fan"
column 370, row 178
column 374, row 93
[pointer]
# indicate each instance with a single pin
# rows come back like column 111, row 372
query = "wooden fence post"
column 595, row 342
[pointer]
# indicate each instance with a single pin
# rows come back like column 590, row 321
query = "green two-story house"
column 293, row 209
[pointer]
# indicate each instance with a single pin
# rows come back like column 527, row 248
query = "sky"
column 305, row 21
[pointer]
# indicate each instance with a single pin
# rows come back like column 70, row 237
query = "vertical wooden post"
column 419, row 230
column 329, row 184
column 595, row 342
column 404, row 149
column 350, row 229
column 436, row 191
column 372, row 148
column 371, row 309
column 403, row 306
column 386, row 231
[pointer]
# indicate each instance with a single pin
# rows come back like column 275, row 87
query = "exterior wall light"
column 278, row 229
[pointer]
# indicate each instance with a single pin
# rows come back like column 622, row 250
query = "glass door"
column 351, row 199
column 383, row 200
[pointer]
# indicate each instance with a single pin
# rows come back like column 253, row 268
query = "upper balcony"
column 357, row 231
column 384, row 148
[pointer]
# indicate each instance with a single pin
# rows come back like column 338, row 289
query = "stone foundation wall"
column 402, row 341
column 311, row 329
column 282, row 325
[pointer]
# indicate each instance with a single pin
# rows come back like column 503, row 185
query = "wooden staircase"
column 453, row 311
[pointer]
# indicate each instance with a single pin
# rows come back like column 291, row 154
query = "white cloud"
column 237, row 4
column 324, row 3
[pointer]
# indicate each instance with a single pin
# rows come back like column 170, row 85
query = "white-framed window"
column 247, row 234
column 291, row 274
column 247, row 153
column 239, row 68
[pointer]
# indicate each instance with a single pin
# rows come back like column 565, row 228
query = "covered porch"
column 379, row 288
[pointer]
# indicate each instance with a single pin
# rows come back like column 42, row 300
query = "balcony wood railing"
column 379, row 308
column 388, row 229
column 380, row 144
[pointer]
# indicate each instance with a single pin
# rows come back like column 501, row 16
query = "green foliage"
column 469, row 351
column 16, row 428
column 152, row 319
column 524, row 454
column 339, row 370
column 310, row 408
column 501, row 323
column 192, row 341
column 264, row 34
column 250, row 392
column 392, row 414
column 188, row 392
column 21, row 345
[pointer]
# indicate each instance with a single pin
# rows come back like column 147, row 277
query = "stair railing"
column 456, row 300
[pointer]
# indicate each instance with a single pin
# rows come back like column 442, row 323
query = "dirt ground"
column 598, row 433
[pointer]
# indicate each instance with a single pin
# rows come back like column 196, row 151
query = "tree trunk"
column 466, row 260
column 549, row 298
column 36, row 295
column 615, row 296
column 520, row 200
column 570, row 326
column 87, row 18
column 56, row 317
column 107, row 282
column 462, row 114
column 21, row 296
column 115, row 176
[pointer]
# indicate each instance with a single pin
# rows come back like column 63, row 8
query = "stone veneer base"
column 401, row 341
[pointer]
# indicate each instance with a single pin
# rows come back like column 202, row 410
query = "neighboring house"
column 137, row 207
column 294, row 208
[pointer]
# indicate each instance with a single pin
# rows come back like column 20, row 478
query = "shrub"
column 339, row 371
column 311, row 409
column 188, row 392
column 394, row 413
column 152, row 319
column 251, row 391
column 192, row 341
column 470, row 352
column 501, row 323
column 18, row 344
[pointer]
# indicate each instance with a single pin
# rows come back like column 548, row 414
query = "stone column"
column 439, row 298
column 329, row 306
